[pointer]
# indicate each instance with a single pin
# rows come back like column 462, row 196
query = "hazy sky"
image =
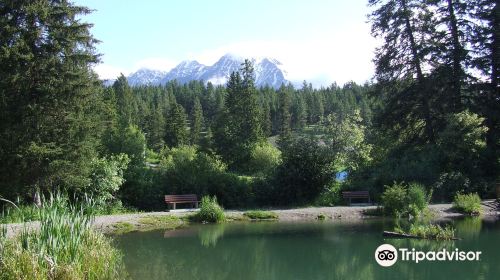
column 322, row 41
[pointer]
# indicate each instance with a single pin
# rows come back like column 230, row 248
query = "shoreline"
column 112, row 223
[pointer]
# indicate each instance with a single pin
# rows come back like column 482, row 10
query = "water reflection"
column 210, row 234
column 298, row 251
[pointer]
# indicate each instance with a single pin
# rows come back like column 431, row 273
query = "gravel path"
column 442, row 211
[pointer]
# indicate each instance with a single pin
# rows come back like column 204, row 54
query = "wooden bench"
column 181, row 198
column 357, row 195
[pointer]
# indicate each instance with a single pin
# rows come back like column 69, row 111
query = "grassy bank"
column 65, row 246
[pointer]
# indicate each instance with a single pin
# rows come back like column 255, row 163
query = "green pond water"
column 315, row 250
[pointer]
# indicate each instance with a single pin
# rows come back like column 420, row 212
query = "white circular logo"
column 386, row 255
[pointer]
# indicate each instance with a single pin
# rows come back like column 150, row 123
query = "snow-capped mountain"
column 146, row 77
column 184, row 72
column 268, row 71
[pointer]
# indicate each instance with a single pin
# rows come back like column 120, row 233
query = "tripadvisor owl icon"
column 386, row 255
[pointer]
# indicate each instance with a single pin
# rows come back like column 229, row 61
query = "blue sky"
column 318, row 40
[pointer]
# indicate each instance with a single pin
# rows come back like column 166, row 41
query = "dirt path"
column 108, row 223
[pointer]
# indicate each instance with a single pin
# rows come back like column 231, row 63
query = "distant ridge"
column 268, row 71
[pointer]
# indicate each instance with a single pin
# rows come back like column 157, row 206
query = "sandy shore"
column 108, row 223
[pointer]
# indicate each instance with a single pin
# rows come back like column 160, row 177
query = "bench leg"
column 196, row 204
column 174, row 205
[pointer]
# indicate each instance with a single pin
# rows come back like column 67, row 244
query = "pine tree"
column 176, row 132
column 48, row 127
column 266, row 120
column 284, row 113
column 124, row 101
column 238, row 127
column 197, row 117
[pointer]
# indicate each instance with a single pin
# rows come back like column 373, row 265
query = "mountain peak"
column 268, row 71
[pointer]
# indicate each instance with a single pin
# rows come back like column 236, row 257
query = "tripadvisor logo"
column 387, row 255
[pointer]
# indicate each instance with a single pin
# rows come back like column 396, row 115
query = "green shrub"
column 261, row 215
column 432, row 231
column 394, row 199
column 468, row 203
column 264, row 159
column 210, row 211
column 304, row 173
column 187, row 170
column 331, row 195
column 417, row 199
column 401, row 199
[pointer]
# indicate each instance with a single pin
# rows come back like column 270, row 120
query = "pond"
column 313, row 250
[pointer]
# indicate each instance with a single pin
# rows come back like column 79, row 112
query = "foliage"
column 107, row 177
column 210, row 211
column 143, row 189
column 176, row 132
column 451, row 183
column 261, row 215
column 264, row 159
column 19, row 213
column 348, row 141
column 197, row 121
column 468, row 203
column 331, row 195
column 238, row 126
column 430, row 231
column 401, row 199
column 305, row 171
column 129, row 140
column 50, row 97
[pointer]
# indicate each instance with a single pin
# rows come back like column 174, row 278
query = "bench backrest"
column 355, row 194
column 181, row 198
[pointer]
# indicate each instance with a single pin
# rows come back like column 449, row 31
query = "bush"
column 417, row 199
column 401, row 199
column 304, row 173
column 264, row 159
column 331, row 195
column 143, row 189
column 430, row 231
column 210, row 211
column 186, row 170
column 394, row 199
column 468, row 203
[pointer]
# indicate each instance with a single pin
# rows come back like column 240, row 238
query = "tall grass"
column 64, row 247
column 468, row 203
column 210, row 211
column 16, row 212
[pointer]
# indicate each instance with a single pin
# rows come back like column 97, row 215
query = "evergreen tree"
column 197, row 116
column 176, row 132
column 238, row 127
column 124, row 101
column 284, row 114
column 48, row 126
column 266, row 120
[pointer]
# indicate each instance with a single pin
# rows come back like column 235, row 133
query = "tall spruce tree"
column 284, row 114
column 197, row 121
column 176, row 132
column 48, row 128
column 238, row 127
